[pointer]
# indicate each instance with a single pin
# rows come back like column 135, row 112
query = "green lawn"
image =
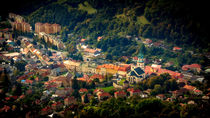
column 87, row 7
column 106, row 89
column 121, row 82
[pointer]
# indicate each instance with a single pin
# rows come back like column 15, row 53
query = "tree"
column 76, row 93
column 18, row 42
column 86, row 99
column 21, row 65
column 75, row 84
column 4, row 83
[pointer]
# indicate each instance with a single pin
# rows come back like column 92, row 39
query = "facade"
column 120, row 94
column 21, row 26
column 47, row 28
column 51, row 39
column 137, row 73
column 158, row 70
column 121, row 69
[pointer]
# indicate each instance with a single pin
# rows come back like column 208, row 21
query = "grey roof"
column 139, row 71
column 136, row 72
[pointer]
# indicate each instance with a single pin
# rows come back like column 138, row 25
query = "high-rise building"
column 47, row 28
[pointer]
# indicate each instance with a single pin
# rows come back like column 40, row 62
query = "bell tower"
column 140, row 61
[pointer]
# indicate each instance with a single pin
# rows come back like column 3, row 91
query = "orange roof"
column 189, row 87
column 99, row 38
column 114, row 67
column 97, row 76
column 149, row 70
column 83, row 40
column 186, row 67
column 90, row 50
column 177, row 48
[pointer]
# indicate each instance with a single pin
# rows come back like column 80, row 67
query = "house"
column 103, row 96
column 83, row 90
column 85, row 78
column 120, row 69
column 83, row 40
column 119, row 94
column 99, row 38
column 5, row 108
column 135, row 59
column 193, row 67
column 134, row 92
column 197, row 92
column 46, row 110
column 91, row 51
column 97, row 91
column 168, row 64
column 57, row 105
column 69, row 100
column 100, row 77
column 147, row 41
column 89, row 96
column 150, row 70
column 193, row 90
column 160, row 96
column 177, row 48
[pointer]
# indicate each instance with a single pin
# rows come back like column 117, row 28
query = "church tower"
column 140, row 61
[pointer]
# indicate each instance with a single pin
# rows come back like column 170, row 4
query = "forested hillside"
column 178, row 22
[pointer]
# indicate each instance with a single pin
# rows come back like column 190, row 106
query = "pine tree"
column 4, row 83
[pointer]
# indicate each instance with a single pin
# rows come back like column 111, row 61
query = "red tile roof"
column 186, row 67
column 176, row 48
column 82, row 90
column 149, row 70
column 135, row 58
column 104, row 94
column 83, row 40
column 120, row 93
column 124, row 67
column 98, row 90
column 97, row 76
column 189, row 87
column 5, row 108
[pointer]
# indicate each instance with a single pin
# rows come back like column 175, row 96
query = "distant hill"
column 178, row 22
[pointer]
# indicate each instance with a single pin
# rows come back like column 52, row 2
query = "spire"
column 140, row 57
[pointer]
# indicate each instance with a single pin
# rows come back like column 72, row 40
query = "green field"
column 142, row 20
column 106, row 89
column 87, row 7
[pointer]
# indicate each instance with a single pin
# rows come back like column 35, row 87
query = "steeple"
column 140, row 61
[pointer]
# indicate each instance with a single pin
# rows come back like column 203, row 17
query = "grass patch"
column 121, row 82
column 142, row 20
column 87, row 7
column 106, row 89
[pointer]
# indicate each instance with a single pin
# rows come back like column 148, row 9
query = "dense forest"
column 178, row 22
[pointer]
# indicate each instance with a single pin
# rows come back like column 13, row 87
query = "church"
column 137, row 73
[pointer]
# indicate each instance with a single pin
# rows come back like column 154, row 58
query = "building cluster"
column 6, row 34
column 19, row 23
column 47, row 28
column 52, row 40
